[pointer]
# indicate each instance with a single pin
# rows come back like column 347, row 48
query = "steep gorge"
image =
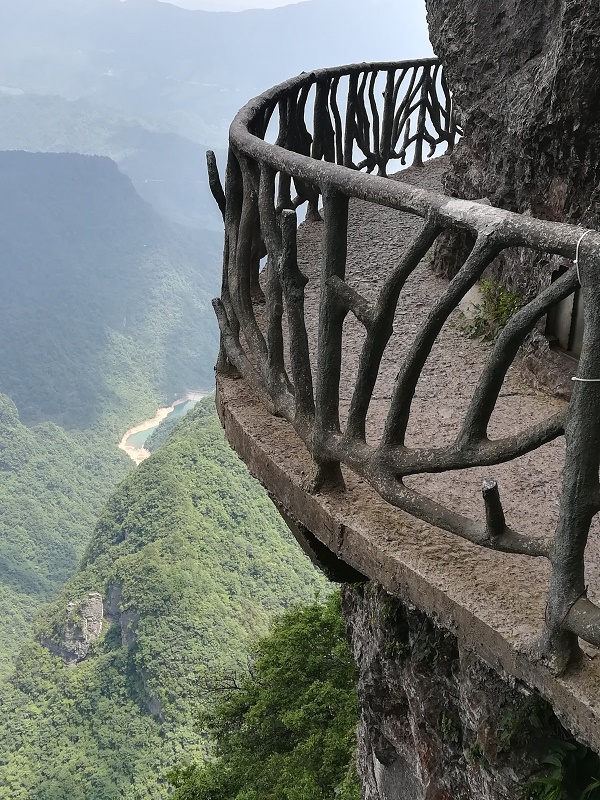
column 104, row 316
column 187, row 566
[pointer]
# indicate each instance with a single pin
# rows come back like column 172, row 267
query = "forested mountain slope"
column 53, row 485
column 104, row 306
column 104, row 315
column 287, row 727
column 191, row 560
column 167, row 170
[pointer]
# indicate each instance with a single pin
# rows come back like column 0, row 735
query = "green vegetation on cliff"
column 286, row 729
column 53, row 486
column 192, row 561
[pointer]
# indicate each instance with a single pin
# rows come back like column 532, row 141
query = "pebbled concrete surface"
column 493, row 601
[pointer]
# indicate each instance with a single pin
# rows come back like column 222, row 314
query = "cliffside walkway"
column 398, row 496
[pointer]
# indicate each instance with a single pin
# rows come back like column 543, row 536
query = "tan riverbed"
column 139, row 454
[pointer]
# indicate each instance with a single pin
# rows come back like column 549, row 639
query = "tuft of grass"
column 498, row 304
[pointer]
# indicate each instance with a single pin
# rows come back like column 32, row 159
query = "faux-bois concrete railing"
column 329, row 165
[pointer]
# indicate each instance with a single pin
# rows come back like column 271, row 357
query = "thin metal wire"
column 581, row 238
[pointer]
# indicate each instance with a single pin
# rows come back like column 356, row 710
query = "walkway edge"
column 355, row 526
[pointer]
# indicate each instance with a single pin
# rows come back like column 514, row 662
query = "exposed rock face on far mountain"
column 525, row 78
column 83, row 626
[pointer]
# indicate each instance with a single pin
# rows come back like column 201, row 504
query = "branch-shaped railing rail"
column 328, row 165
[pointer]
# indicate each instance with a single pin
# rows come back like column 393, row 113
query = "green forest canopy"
column 104, row 316
column 285, row 729
column 192, row 561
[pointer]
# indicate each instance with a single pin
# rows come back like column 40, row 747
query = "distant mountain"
column 187, row 566
column 150, row 84
column 105, row 307
column 192, row 69
column 167, row 170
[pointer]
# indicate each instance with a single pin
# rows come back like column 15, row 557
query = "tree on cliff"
column 286, row 729
column 524, row 75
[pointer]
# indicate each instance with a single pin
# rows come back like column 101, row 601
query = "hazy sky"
column 230, row 5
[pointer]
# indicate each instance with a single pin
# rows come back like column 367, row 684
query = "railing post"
column 284, row 192
column 271, row 234
column 418, row 159
column 293, row 283
column 579, row 499
column 350, row 128
column 337, row 122
column 231, row 209
column 331, row 321
column 448, row 113
column 387, row 123
column 244, row 255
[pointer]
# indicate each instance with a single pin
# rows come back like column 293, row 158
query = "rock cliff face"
column 437, row 722
column 524, row 74
column 82, row 626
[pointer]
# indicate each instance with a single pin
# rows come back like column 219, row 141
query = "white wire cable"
column 581, row 238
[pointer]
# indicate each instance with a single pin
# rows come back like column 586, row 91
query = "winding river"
column 135, row 438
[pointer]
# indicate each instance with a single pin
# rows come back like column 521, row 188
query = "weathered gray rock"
column 83, row 624
column 112, row 602
column 437, row 722
column 525, row 78
column 129, row 621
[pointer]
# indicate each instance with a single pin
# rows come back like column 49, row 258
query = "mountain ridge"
column 100, row 293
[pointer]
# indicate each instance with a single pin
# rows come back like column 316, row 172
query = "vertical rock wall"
column 437, row 722
column 82, row 626
column 525, row 75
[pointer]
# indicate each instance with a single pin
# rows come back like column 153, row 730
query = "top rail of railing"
column 333, row 128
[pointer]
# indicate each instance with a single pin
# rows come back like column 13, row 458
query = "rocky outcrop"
column 82, row 626
column 437, row 722
column 129, row 621
column 524, row 74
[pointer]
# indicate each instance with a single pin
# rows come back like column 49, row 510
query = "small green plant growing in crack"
column 475, row 754
column 450, row 731
column 397, row 650
column 570, row 771
column 487, row 318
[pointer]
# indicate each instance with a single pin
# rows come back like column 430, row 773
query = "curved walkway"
column 492, row 601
